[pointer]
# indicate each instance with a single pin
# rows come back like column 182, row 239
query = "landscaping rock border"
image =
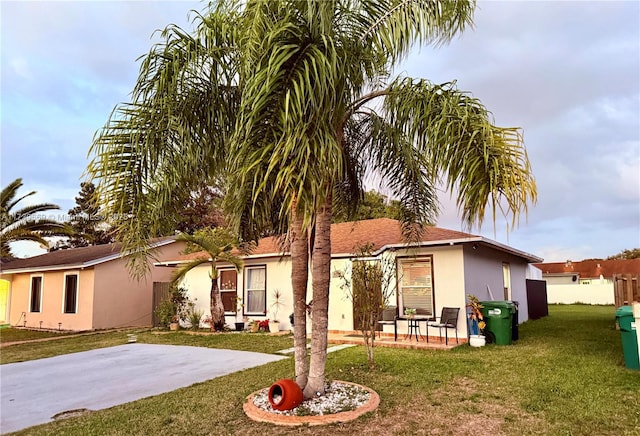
column 257, row 414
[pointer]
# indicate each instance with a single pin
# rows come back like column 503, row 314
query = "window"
column 35, row 304
column 229, row 289
column 70, row 293
column 506, row 279
column 416, row 285
column 256, row 301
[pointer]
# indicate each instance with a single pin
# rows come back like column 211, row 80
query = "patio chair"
column 389, row 317
column 448, row 320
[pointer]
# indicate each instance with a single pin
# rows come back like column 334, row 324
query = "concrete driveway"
column 33, row 392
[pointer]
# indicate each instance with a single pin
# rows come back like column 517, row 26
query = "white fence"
column 577, row 293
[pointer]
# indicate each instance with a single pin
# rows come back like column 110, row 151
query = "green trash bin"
column 628, row 332
column 499, row 317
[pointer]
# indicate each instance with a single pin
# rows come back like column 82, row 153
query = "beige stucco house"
column 439, row 271
column 85, row 288
column 586, row 281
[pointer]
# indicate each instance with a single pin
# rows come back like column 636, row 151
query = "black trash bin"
column 514, row 323
column 291, row 319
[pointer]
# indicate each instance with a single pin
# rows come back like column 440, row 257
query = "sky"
column 566, row 72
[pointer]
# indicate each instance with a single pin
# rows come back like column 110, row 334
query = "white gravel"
column 338, row 397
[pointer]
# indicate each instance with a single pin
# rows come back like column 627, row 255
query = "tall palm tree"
column 25, row 224
column 294, row 102
column 217, row 245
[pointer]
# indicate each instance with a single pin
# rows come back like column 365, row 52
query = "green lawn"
column 564, row 376
column 11, row 334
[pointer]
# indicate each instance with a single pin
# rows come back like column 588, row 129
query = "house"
column 587, row 281
column 84, row 288
column 438, row 271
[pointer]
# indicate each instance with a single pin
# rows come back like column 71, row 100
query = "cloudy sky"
column 568, row 73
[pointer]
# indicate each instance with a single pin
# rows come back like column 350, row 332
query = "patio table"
column 413, row 325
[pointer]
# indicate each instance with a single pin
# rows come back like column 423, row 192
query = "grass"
column 10, row 334
column 258, row 342
column 564, row 376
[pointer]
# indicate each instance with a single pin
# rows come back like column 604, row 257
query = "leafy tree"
column 373, row 205
column 27, row 223
column 633, row 253
column 293, row 103
column 202, row 209
column 89, row 227
column 217, row 245
column 370, row 285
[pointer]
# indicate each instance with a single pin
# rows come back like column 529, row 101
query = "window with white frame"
column 229, row 289
column 415, row 283
column 70, row 297
column 506, row 278
column 256, row 286
column 35, row 297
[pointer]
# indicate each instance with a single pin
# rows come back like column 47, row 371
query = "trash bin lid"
column 623, row 311
column 508, row 305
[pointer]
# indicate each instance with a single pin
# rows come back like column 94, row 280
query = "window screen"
column 416, row 285
column 256, row 290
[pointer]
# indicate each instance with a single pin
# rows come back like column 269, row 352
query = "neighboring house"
column 587, row 281
column 438, row 271
column 84, row 288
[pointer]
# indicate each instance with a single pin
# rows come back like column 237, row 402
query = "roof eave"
column 82, row 265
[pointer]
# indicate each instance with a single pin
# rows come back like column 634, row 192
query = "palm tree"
column 217, row 245
column 292, row 100
column 25, row 224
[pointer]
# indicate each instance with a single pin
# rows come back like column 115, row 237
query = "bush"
column 194, row 318
column 173, row 308
column 165, row 313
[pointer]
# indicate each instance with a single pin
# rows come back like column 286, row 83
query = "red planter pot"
column 285, row 394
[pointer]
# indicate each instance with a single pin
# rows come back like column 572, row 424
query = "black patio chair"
column 448, row 320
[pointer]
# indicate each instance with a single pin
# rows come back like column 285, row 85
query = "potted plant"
column 476, row 336
column 254, row 326
column 274, row 323
column 409, row 313
column 174, row 325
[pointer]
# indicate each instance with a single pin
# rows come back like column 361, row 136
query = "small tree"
column 370, row 285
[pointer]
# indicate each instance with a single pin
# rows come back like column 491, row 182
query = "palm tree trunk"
column 217, row 309
column 321, row 272
column 299, row 279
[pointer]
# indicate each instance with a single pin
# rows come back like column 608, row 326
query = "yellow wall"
column 4, row 301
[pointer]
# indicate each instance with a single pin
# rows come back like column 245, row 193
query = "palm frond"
column 182, row 271
column 456, row 136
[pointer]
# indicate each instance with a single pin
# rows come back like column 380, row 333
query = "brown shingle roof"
column 345, row 237
column 71, row 256
column 592, row 268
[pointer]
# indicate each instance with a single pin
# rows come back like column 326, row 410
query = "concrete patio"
column 387, row 340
